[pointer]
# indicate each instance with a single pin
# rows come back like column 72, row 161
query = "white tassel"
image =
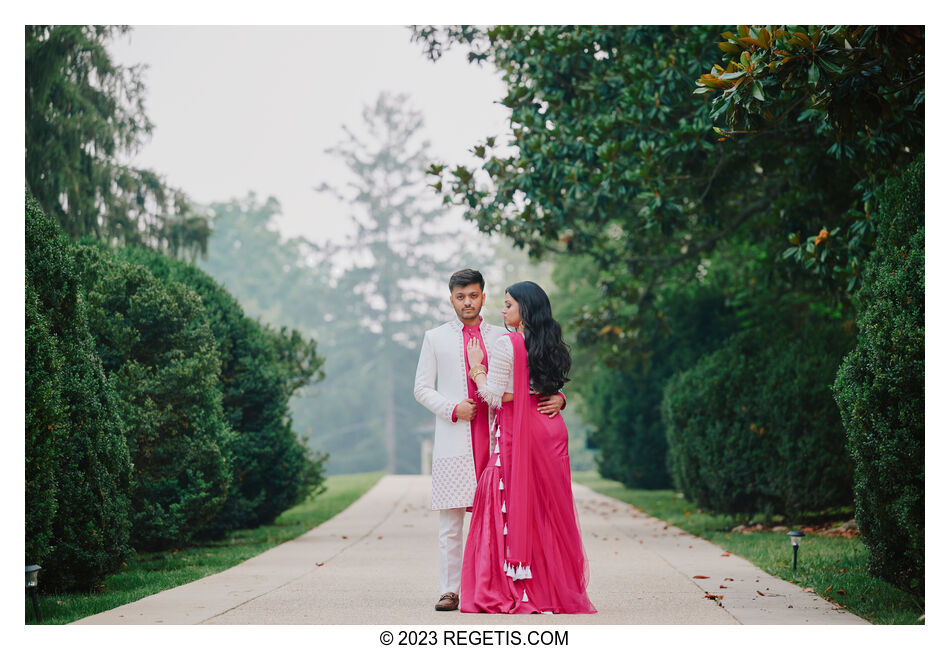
column 510, row 572
column 498, row 434
column 506, row 529
column 524, row 598
column 503, row 507
column 501, row 484
column 521, row 572
column 498, row 464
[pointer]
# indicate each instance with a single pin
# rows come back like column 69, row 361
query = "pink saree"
column 524, row 553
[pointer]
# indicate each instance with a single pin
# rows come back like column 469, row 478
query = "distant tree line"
column 744, row 211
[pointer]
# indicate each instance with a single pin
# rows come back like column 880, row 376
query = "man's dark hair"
column 466, row 277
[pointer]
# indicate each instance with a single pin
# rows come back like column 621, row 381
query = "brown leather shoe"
column 447, row 602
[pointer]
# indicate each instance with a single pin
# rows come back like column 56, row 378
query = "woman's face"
column 510, row 312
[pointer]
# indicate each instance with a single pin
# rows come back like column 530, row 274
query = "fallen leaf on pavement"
column 729, row 579
column 713, row 596
column 700, row 577
column 320, row 563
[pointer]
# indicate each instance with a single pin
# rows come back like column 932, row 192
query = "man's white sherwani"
column 441, row 383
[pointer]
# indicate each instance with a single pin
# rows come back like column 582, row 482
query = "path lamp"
column 32, row 580
column 796, row 537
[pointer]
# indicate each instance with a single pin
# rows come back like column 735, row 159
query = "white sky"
column 238, row 109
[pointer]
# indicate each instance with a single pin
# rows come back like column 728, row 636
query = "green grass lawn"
column 834, row 567
column 149, row 573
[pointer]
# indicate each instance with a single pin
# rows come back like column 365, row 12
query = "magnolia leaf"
column 813, row 75
column 757, row 91
column 830, row 67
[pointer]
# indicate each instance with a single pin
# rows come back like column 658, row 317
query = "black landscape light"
column 32, row 580
column 796, row 538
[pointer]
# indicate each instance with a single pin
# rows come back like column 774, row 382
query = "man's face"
column 467, row 301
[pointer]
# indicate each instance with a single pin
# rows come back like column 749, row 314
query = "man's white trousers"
column 451, row 521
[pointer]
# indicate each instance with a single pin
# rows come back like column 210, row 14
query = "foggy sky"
column 238, row 109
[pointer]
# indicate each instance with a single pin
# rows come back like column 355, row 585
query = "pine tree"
column 403, row 251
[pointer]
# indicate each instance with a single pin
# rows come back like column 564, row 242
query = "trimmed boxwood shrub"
column 624, row 403
column 753, row 428
column 77, row 524
column 880, row 389
column 272, row 469
column 156, row 344
column 45, row 421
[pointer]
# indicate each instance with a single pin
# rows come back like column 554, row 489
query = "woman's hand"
column 475, row 354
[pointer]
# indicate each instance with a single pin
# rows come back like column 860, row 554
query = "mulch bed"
column 847, row 529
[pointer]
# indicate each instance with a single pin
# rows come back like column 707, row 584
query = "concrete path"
column 375, row 563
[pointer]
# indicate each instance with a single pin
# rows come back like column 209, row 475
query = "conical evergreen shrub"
column 77, row 522
column 880, row 389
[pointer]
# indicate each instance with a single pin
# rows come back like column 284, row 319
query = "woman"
column 524, row 553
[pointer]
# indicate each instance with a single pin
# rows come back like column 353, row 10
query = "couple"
column 500, row 452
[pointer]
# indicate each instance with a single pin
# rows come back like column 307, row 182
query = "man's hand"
column 550, row 405
column 466, row 410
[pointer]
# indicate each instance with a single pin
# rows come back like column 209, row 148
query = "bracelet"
column 477, row 370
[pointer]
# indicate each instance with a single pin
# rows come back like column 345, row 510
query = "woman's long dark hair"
column 549, row 359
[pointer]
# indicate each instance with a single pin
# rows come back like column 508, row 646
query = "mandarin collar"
column 459, row 325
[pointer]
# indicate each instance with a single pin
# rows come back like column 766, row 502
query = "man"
column 462, row 440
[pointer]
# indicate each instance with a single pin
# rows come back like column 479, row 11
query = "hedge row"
column 156, row 411
column 624, row 403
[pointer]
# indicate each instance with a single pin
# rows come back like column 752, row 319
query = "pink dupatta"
column 518, row 470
